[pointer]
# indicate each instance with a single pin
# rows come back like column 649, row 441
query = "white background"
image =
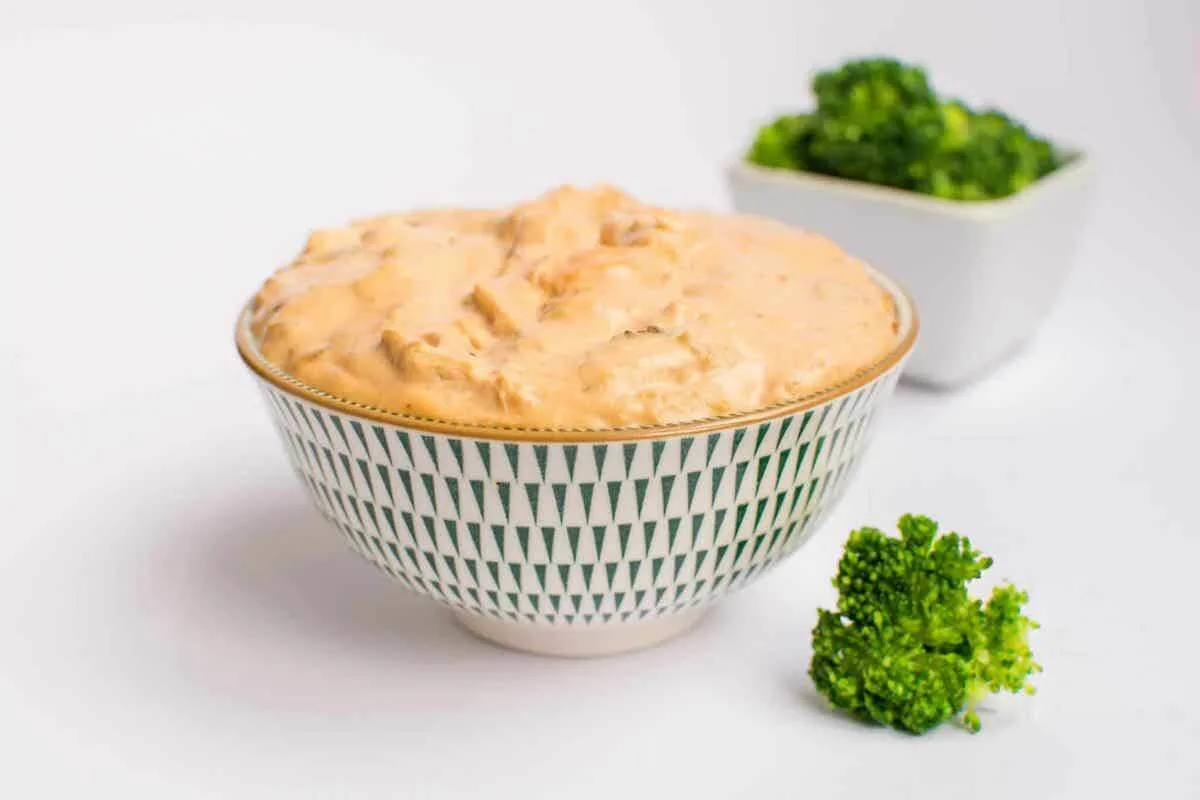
column 175, row 622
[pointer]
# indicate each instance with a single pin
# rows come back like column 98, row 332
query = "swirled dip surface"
column 581, row 308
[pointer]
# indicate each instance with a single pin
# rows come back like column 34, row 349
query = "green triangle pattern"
column 540, row 457
column 349, row 473
column 498, row 539
column 784, row 428
column 739, row 477
column 493, row 571
column 685, row 447
column 430, row 449
column 614, row 495
column 570, row 453
column 763, row 463
column 406, row 446
column 738, row 549
column 452, row 490
column 321, row 424
column 759, row 437
column 477, row 493
column 781, row 464
column 473, row 531
column 808, row 415
column 374, row 526
column 504, row 491
column 635, row 568
column 485, row 456
column 640, row 485
column 599, row 455
column 667, row 482
column 739, row 434
column 598, row 534
column 693, row 480
column 710, row 446
column 673, row 524
column 409, row 500
column 677, row 575
column 718, row 474
column 648, row 529
column 430, row 492
column 532, row 492
column 385, row 477
column 657, row 448
column 513, row 453
column 630, row 453
column 623, row 531
column 456, row 449
column 560, row 500
column 573, row 541
column 357, row 427
column 523, row 540
column 586, row 492
column 739, row 517
column 676, row 521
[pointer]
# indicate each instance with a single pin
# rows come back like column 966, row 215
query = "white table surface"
column 178, row 623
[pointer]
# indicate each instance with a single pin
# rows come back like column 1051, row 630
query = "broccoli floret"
column 875, row 119
column 908, row 646
column 870, row 89
column 879, row 120
column 997, row 157
column 782, row 143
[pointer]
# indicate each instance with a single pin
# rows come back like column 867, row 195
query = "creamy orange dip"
column 581, row 308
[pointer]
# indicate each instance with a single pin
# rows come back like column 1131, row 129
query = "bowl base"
column 581, row 642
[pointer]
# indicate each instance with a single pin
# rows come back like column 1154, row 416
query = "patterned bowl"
column 578, row 542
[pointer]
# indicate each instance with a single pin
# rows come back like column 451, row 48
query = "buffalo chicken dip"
column 582, row 308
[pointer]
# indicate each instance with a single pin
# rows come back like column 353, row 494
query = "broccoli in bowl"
column 879, row 120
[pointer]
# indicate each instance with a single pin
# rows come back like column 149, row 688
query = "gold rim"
column 906, row 315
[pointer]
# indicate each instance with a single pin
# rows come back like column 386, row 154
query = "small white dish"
column 984, row 274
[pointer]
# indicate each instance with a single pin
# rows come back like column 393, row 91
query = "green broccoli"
column 908, row 646
column 875, row 119
column 782, row 142
column 879, row 120
column 870, row 89
column 996, row 157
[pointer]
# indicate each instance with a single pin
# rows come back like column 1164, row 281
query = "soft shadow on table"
column 1003, row 364
column 908, row 383
column 254, row 596
column 806, row 695
column 279, row 560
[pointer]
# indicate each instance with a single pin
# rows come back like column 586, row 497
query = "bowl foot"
column 581, row 641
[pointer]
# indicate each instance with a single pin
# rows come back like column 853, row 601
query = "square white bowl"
column 983, row 275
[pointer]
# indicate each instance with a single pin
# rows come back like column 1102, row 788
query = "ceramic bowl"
column 984, row 274
column 578, row 542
